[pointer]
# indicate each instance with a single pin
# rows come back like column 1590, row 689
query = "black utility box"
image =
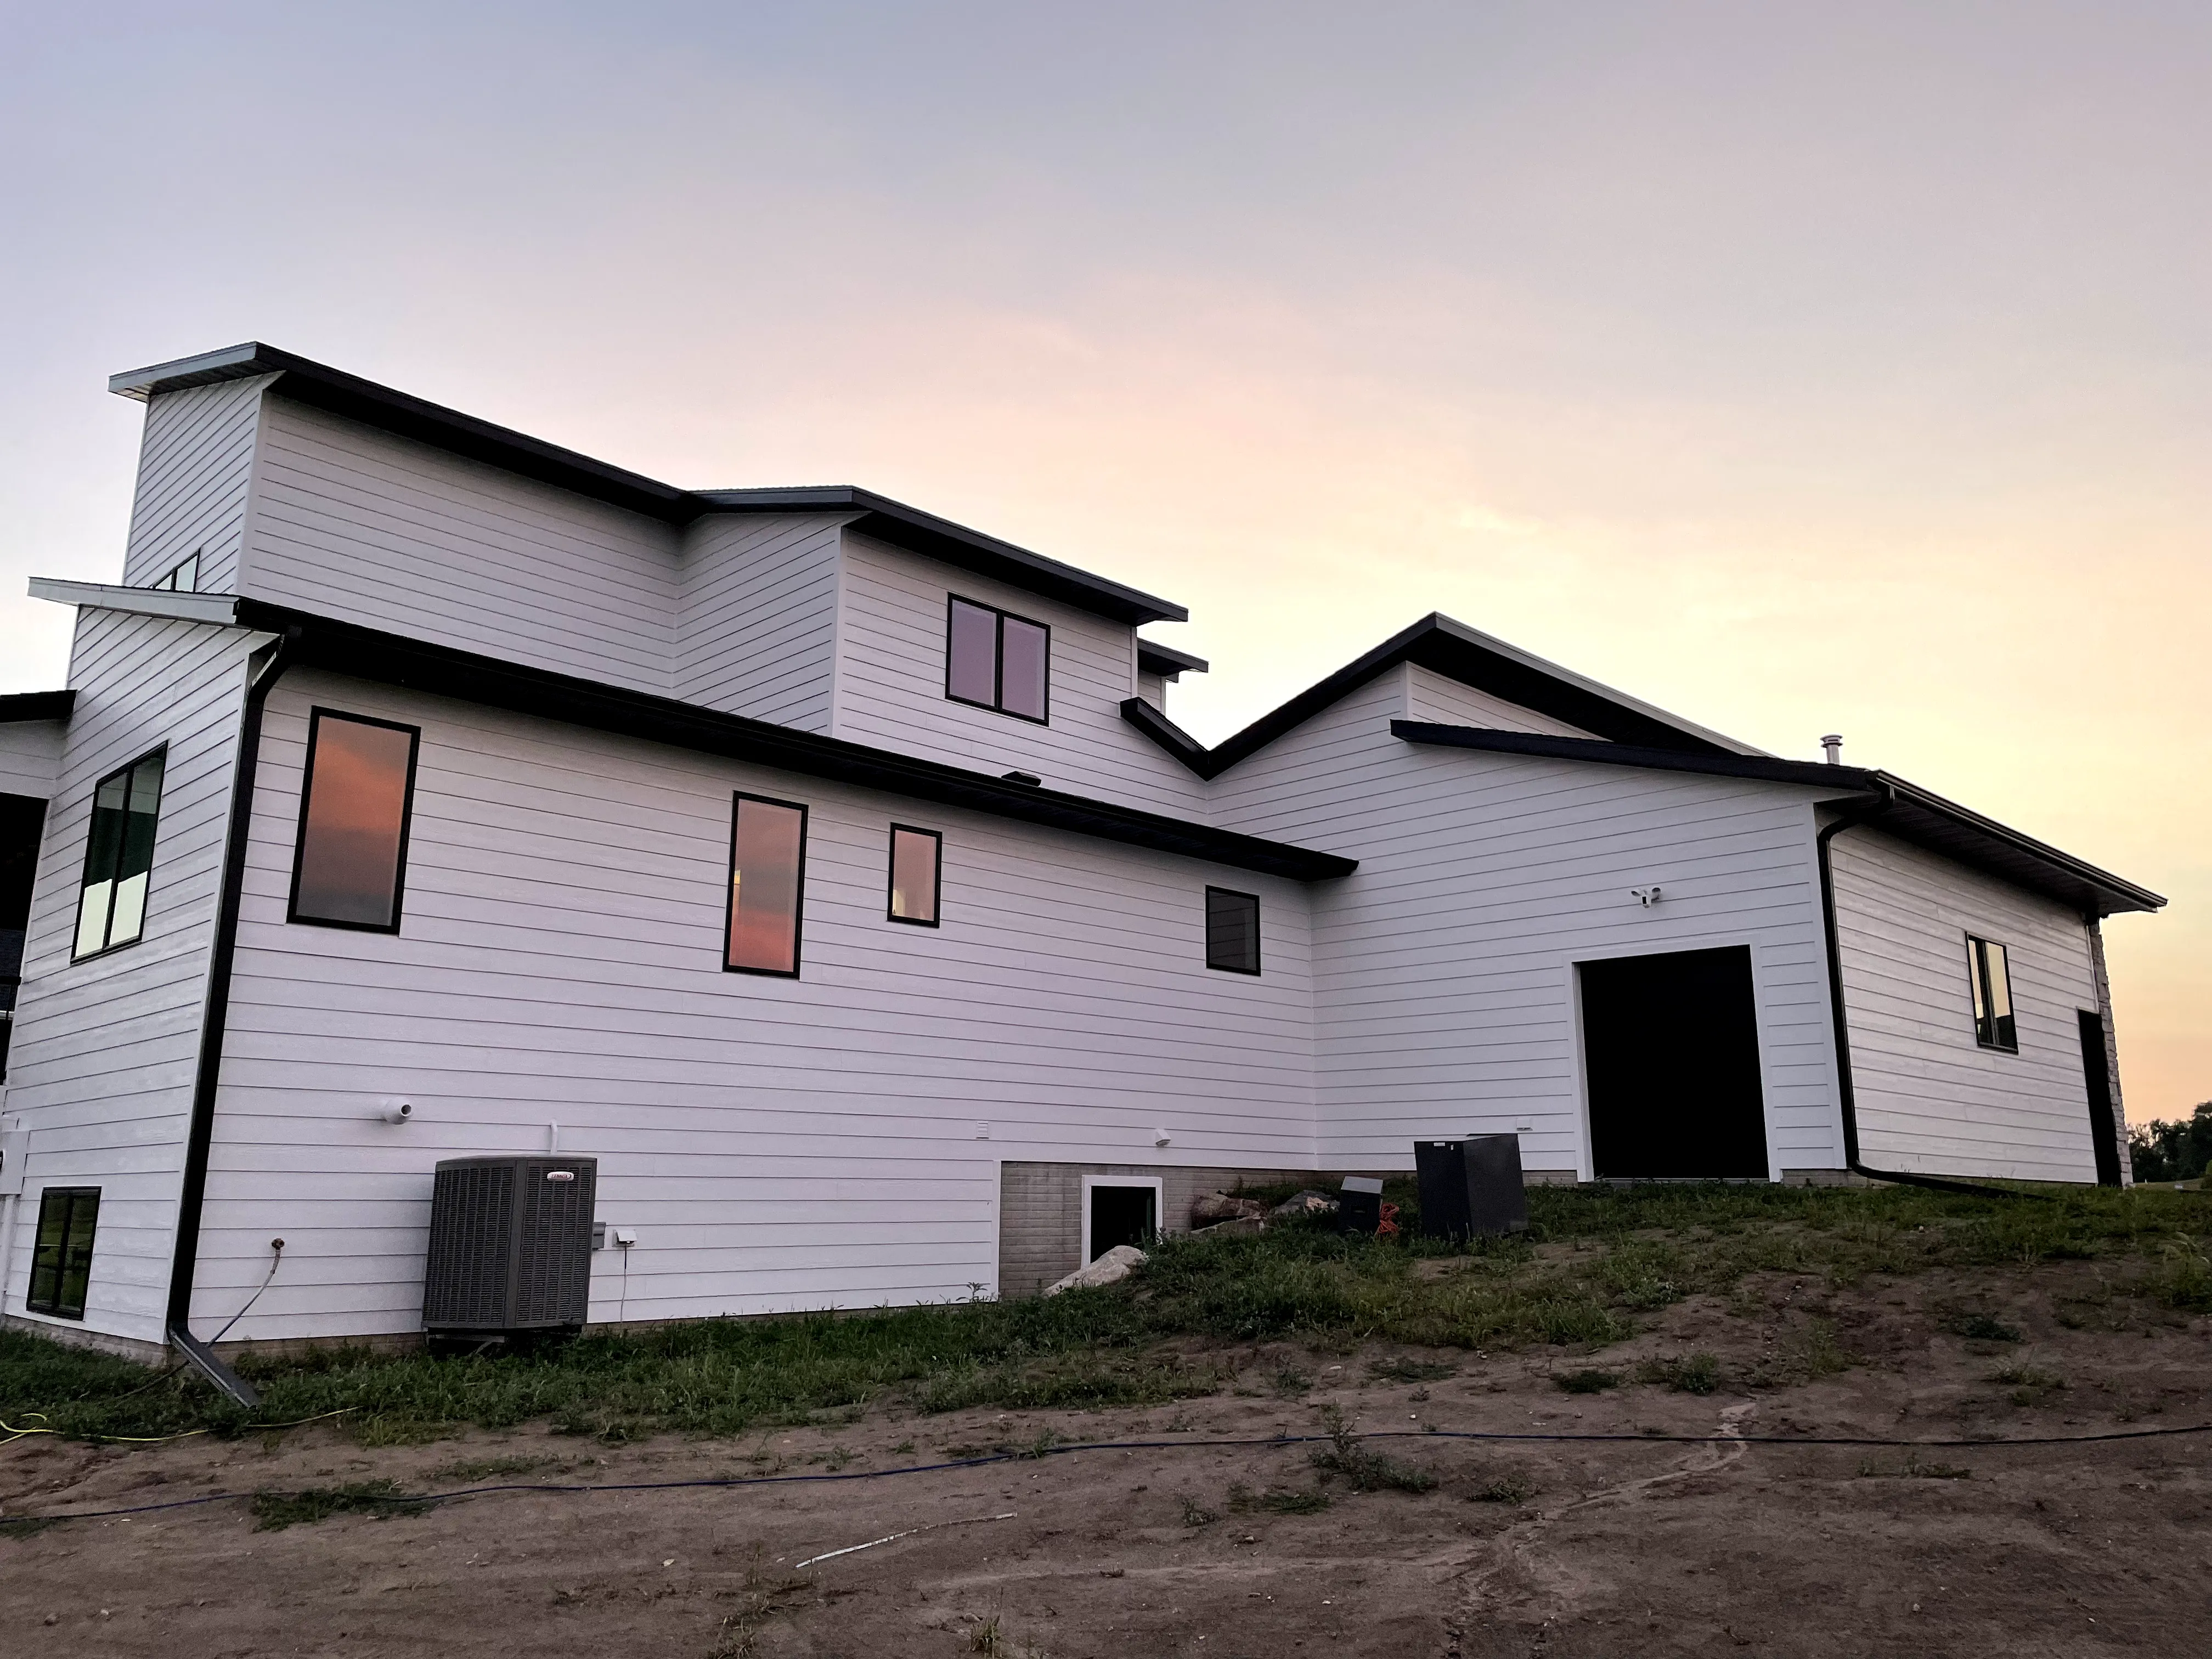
column 1359, row 1206
column 1471, row 1186
column 510, row 1245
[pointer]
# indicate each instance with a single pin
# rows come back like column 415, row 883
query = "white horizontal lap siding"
column 1443, row 967
column 1433, row 696
column 104, row 1051
column 195, row 473
column 355, row 523
column 1929, row 1099
column 756, row 617
column 776, row 1143
column 31, row 757
column 891, row 685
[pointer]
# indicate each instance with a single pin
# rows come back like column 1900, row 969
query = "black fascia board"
column 388, row 411
column 37, row 705
column 1457, row 652
column 442, row 671
column 917, row 531
column 1913, row 814
column 1153, row 658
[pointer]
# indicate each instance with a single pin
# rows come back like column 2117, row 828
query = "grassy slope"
column 1595, row 1261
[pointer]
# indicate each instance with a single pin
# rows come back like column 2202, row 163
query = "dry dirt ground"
column 1618, row 1548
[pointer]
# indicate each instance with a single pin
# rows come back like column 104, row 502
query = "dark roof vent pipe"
column 1832, row 745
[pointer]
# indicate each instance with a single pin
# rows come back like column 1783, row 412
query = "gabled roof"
column 36, row 706
column 396, row 412
column 1907, row 811
column 1471, row 657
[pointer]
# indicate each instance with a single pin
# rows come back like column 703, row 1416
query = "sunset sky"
column 1797, row 367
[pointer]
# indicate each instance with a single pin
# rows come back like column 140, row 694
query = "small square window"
column 1232, row 931
column 61, row 1253
column 917, row 866
column 1990, row 973
column 118, row 857
column 996, row 660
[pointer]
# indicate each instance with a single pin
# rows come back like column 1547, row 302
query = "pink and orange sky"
column 1798, row 367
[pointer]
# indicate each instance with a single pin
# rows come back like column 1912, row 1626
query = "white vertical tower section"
column 194, row 480
column 755, row 617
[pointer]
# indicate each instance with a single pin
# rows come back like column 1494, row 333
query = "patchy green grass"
column 1594, row 1266
column 1366, row 1469
column 273, row 1511
column 1587, row 1381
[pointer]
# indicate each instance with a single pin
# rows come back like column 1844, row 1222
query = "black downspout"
column 1859, row 813
column 214, row 1021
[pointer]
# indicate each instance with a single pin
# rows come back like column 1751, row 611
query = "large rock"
column 1110, row 1268
column 1307, row 1202
column 1223, row 1206
column 1242, row 1223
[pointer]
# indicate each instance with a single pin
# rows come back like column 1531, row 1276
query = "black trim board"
column 36, row 706
column 1910, row 812
column 389, row 410
column 365, row 654
column 1459, row 652
column 1153, row 658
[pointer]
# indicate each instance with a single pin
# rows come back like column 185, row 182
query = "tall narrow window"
column 350, row 869
column 768, row 880
column 119, row 858
column 1992, row 984
column 995, row 659
column 61, row 1254
column 917, row 859
column 1232, row 931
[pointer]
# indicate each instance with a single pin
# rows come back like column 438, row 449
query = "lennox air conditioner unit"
column 510, row 1246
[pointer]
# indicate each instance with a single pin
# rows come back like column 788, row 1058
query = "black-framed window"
column 995, row 659
column 349, row 868
column 1990, row 971
column 184, row 577
column 61, row 1255
column 917, row 874
column 1232, row 931
column 768, row 886
column 118, row 856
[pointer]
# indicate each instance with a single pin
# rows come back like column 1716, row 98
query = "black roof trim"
column 367, row 654
column 1153, row 658
column 1911, row 813
column 37, row 706
column 389, row 410
column 963, row 549
column 1474, row 658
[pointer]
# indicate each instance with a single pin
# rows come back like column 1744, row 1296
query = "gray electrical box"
column 1472, row 1187
column 510, row 1245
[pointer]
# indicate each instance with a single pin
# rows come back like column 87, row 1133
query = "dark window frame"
column 53, row 1306
column 1989, row 1025
column 76, row 915
column 999, row 619
column 1225, row 967
column 936, row 876
column 315, row 717
column 170, row 584
column 737, row 797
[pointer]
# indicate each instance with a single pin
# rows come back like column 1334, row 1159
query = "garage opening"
column 1115, row 1214
column 1670, row 1050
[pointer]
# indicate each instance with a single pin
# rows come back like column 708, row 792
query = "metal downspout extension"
column 214, row 1019
column 1863, row 813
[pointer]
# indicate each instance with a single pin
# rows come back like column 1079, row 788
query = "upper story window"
column 997, row 660
column 1986, row 966
column 351, row 866
column 767, row 884
column 1232, row 931
column 917, row 862
column 186, row 578
column 118, row 857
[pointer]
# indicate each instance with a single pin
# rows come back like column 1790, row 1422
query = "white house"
column 834, row 875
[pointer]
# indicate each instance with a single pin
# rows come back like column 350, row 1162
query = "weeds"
column 1396, row 1369
column 1277, row 1501
column 1914, row 1469
column 760, row 1599
column 1586, row 1382
column 1505, row 1489
column 273, row 1511
column 1983, row 1328
column 1697, row 1373
column 1195, row 1514
column 2031, row 1384
column 1367, row 1470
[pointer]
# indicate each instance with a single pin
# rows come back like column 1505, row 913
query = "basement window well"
column 1119, row 1210
column 118, row 857
column 1987, row 969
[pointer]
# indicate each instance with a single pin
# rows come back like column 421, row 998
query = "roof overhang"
column 1153, row 658
column 1899, row 808
column 306, row 381
column 389, row 658
column 36, row 706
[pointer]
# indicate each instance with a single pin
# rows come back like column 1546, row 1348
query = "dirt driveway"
column 1627, row 1547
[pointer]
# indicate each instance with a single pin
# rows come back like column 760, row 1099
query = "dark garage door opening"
column 1670, row 1050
